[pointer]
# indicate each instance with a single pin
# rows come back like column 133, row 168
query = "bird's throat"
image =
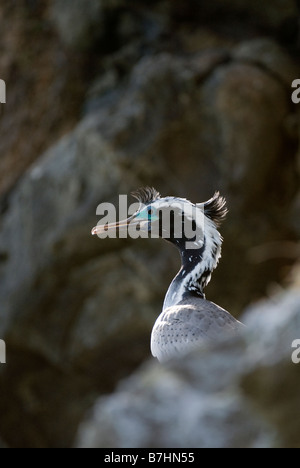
column 193, row 276
column 197, row 265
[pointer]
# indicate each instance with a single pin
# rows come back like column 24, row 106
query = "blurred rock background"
column 104, row 96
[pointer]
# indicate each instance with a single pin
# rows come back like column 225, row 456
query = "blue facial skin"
column 148, row 214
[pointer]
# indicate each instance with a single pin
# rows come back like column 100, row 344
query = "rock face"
column 169, row 98
column 239, row 393
column 44, row 89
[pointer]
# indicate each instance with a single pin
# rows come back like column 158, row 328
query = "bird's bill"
column 101, row 228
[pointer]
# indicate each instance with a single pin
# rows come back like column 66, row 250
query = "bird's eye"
column 151, row 211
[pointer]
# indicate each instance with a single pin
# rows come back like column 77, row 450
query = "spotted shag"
column 187, row 318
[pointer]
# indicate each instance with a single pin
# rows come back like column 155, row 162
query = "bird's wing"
column 182, row 328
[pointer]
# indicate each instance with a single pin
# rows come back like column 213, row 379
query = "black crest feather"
column 216, row 209
column 146, row 195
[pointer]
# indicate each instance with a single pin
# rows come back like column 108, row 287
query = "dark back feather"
column 216, row 209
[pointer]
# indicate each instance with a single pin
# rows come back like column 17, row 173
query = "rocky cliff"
column 103, row 97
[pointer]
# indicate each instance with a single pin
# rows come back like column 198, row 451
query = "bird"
column 187, row 319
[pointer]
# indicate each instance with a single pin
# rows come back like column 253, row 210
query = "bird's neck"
column 197, row 266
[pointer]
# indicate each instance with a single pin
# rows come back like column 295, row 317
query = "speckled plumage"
column 181, row 328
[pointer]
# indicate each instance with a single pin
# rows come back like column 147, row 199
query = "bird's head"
column 175, row 219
